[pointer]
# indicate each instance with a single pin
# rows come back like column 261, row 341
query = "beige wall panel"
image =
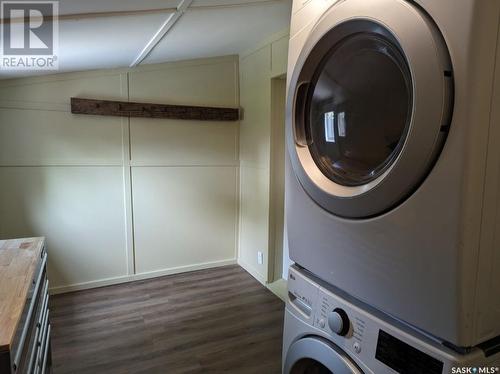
column 254, row 216
column 183, row 216
column 58, row 89
column 42, row 137
column 169, row 142
column 255, row 140
column 258, row 224
column 277, row 177
column 279, row 56
column 85, row 207
column 255, row 99
column 211, row 82
column 79, row 210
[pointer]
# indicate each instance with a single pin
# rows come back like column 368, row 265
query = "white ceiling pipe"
column 162, row 31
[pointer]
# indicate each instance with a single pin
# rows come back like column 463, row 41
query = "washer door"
column 369, row 106
column 317, row 355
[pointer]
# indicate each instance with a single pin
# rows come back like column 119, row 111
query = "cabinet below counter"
column 24, row 307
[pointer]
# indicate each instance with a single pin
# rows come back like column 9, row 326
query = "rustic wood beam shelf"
column 147, row 110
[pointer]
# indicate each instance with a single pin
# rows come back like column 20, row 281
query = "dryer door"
column 317, row 355
column 369, row 105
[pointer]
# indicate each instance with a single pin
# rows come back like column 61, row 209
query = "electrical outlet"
column 260, row 257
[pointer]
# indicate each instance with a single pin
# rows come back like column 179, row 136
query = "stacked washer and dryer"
column 393, row 187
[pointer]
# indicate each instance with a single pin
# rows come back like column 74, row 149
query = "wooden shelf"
column 148, row 110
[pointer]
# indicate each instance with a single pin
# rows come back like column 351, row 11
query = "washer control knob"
column 338, row 321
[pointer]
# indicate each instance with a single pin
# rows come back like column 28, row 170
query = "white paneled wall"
column 61, row 176
column 116, row 198
column 184, row 173
column 79, row 209
column 183, row 143
column 184, row 216
column 257, row 69
column 48, row 137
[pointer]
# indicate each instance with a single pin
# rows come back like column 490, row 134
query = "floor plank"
column 210, row 321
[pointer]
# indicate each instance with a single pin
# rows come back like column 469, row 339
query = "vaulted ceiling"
column 96, row 34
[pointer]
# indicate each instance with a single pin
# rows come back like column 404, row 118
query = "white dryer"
column 393, row 169
column 327, row 332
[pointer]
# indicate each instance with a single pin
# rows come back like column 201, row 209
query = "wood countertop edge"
column 7, row 337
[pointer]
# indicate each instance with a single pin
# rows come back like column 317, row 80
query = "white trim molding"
column 140, row 276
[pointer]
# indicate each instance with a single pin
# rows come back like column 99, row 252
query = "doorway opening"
column 277, row 182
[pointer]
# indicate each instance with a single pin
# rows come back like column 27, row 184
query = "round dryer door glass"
column 368, row 107
column 360, row 107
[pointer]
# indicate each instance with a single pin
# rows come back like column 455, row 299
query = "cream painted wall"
column 277, row 177
column 62, row 176
column 121, row 199
column 257, row 68
column 184, row 173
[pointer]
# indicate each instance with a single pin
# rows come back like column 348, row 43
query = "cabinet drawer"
column 41, row 344
column 35, row 330
column 46, row 362
column 30, row 326
column 39, row 337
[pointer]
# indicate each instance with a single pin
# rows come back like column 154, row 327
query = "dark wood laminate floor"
column 210, row 321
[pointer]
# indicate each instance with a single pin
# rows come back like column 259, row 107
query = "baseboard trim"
column 140, row 276
column 184, row 269
column 252, row 271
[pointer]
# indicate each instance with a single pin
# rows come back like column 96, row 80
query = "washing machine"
column 393, row 162
column 327, row 331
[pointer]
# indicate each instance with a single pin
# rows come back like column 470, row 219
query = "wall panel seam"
column 128, row 184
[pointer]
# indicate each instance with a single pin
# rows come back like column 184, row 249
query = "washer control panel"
column 374, row 340
column 333, row 318
column 338, row 321
column 302, row 294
